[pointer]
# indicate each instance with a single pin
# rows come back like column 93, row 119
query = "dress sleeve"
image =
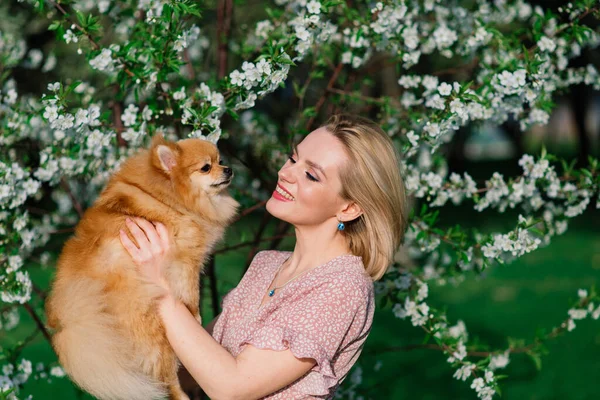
column 318, row 321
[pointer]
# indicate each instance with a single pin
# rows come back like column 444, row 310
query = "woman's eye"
column 312, row 178
column 308, row 176
column 206, row 168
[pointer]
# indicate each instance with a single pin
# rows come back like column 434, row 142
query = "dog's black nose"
column 227, row 171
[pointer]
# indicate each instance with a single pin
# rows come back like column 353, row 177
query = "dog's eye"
column 220, row 162
column 206, row 168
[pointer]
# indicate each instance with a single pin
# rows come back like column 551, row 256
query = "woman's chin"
column 273, row 207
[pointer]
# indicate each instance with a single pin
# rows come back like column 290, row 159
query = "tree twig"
column 38, row 322
column 65, row 185
column 325, row 94
column 224, row 10
column 250, row 243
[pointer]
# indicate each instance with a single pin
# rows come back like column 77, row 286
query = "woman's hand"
column 153, row 253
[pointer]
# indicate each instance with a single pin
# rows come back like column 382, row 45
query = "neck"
column 315, row 245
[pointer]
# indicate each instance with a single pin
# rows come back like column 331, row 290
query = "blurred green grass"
column 512, row 300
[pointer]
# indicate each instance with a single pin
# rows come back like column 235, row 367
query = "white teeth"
column 283, row 193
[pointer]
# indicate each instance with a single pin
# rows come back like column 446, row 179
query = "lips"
column 280, row 193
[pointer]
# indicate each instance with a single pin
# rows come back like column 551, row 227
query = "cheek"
column 318, row 197
column 201, row 180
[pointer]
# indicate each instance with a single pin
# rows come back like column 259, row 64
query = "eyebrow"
column 310, row 163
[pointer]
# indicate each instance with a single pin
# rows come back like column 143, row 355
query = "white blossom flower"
column 263, row 28
column 54, row 87
column 237, row 78
column 302, row 33
column 147, row 113
column 130, row 115
column 432, row 129
column 314, row 7
column 81, row 117
column 264, row 67
column 422, row 292
column 409, row 81
column 444, row 37
column 460, row 353
column 103, row 61
column 51, row 113
column 464, row 372
column 179, row 95
column 445, row 89
column 596, row 313
column 430, row 82
column 346, row 57
column 69, row 37
column 57, row 371
column 413, row 138
column 575, row 313
column 546, row 44
column 499, row 361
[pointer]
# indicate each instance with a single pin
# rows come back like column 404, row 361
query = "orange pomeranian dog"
column 108, row 335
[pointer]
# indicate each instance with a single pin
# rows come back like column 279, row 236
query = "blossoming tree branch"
column 146, row 67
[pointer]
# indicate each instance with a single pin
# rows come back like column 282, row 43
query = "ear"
column 163, row 154
column 350, row 212
column 166, row 158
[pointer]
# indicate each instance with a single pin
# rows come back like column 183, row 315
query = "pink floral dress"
column 326, row 314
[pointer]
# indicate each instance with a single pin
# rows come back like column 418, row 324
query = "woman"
column 297, row 321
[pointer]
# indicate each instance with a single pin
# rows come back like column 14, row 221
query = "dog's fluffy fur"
column 107, row 333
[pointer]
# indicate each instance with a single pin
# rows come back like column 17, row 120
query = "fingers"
column 163, row 234
column 138, row 234
column 128, row 244
column 149, row 230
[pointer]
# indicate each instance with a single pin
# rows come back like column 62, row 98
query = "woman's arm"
column 255, row 373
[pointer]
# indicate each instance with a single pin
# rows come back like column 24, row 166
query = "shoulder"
column 348, row 273
column 265, row 261
column 271, row 255
column 268, row 258
column 344, row 282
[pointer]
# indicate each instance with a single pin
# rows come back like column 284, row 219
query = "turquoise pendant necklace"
column 272, row 291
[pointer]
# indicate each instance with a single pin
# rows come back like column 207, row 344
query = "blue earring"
column 341, row 226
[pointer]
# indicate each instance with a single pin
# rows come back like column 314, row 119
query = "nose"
column 285, row 174
column 227, row 171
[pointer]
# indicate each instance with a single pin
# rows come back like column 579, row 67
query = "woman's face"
column 311, row 177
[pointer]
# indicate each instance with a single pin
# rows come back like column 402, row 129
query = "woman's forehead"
column 321, row 147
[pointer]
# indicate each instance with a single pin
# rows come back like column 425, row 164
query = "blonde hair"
column 372, row 178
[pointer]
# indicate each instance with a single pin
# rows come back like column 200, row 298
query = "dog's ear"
column 164, row 154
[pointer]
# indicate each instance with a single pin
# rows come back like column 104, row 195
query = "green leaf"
column 544, row 152
column 54, row 25
column 537, row 360
column 426, row 338
column 81, row 18
column 233, row 114
column 309, row 112
column 72, row 86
